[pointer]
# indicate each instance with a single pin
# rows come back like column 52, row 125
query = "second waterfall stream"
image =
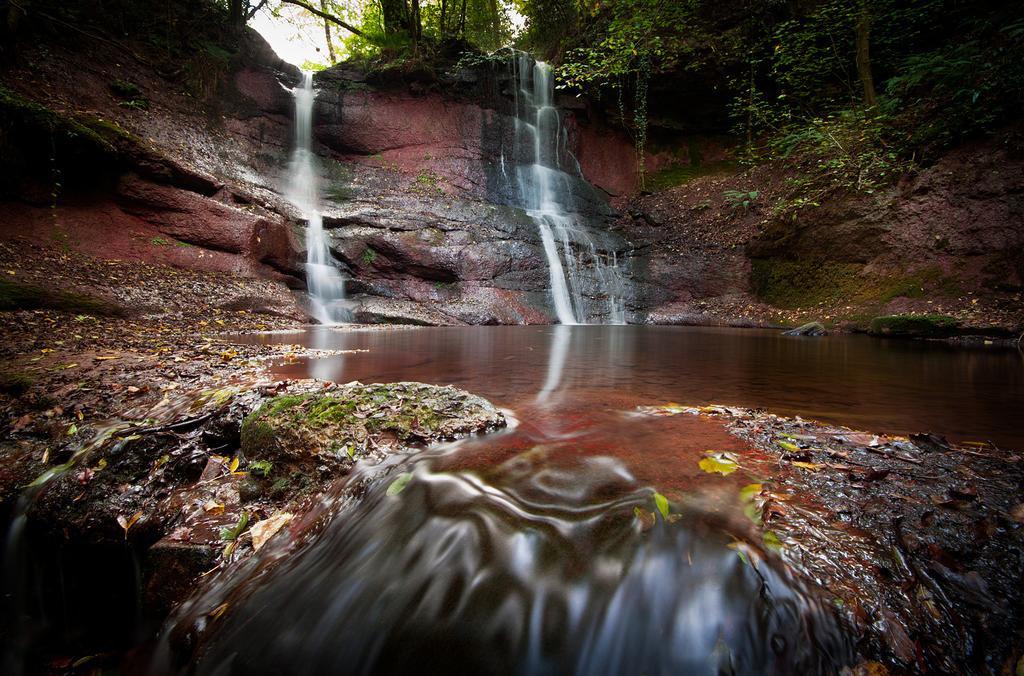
column 587, row 284
column 323, row 277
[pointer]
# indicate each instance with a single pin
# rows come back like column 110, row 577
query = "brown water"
column 552, row 373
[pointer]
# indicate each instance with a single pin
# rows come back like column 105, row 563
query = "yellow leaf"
column 126, row 524
column 214, row 507
column 262, row 531
column 218, row 611
column 810, row 466
column 106, row 357
column 718, row 463
column 234, row 465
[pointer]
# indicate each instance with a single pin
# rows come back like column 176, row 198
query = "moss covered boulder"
column 914, row 326
column 355, row 420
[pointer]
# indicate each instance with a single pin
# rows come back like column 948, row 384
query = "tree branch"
column 253, row 10
column 325, row 16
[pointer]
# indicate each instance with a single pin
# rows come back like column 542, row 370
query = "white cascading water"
column 323, row 278
column 582, row 278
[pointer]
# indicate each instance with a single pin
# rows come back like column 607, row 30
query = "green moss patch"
column 359, row 420
column 793, row 284
column 914, row 326
column 679, row 174
column 15, row 383
column 17, row 296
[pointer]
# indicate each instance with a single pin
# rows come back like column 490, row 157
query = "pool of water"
column 888, row 386
column 536, row 549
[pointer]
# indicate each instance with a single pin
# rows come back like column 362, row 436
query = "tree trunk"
column 495, row 21
column 462, row 21
column 236, row 12
column 396, row 16
column 864, row 60
column 327, row 33
column 415, row 26
column 444, row 12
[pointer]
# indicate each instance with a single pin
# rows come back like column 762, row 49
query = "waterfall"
column 586, row 283
column 323, row 278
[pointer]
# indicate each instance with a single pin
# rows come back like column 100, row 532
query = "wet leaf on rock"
column 233, row 532
column 661, row 502
column 718, row 463
column 772, row 541
column 264, row 530
column 399, row 484
column 670, row 408
column 126, row 524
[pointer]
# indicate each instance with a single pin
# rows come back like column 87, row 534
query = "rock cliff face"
column 421, row 213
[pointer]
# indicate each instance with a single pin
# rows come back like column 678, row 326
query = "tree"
column 864, row 59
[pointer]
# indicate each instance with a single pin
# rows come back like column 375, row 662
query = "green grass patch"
column 914, row 326
column 680, row 174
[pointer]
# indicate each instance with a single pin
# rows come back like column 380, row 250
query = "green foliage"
column 261, row 468
column 231, row 533
column 740, row 198
column 369, row 256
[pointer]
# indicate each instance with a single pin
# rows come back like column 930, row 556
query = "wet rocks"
column 915, row 537
column 808, row 329
column 914, row 326
column 357, row 421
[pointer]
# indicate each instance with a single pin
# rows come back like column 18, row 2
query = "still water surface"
column 889, row 386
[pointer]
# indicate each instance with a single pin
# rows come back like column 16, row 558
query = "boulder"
column 808, row 329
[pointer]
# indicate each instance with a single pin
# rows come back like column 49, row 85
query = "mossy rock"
column 359, row 420
column 18, row 296
column 799, row 283
column 914, row 326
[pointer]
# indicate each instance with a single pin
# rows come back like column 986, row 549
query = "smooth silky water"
column 520, row 551
column 324, row 280
column 587, row 284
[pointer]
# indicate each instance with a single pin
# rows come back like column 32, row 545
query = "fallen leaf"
column 809, row 466
column 262, row 531
column 789, row 447
column 126, row 524
column 718, row 463
column 213, row 507
column 399, row 484
column 661, row 502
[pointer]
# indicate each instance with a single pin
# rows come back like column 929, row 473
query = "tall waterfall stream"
column 587, row 285
column 323, row 277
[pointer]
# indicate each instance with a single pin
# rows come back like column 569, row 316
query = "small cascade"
column 323, row 278
column 587, row 285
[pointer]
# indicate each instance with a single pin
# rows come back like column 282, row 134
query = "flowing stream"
column 587, row 284
column 323, row 277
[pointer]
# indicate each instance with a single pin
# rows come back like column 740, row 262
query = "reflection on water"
column 535, row 567
column 879, row 385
